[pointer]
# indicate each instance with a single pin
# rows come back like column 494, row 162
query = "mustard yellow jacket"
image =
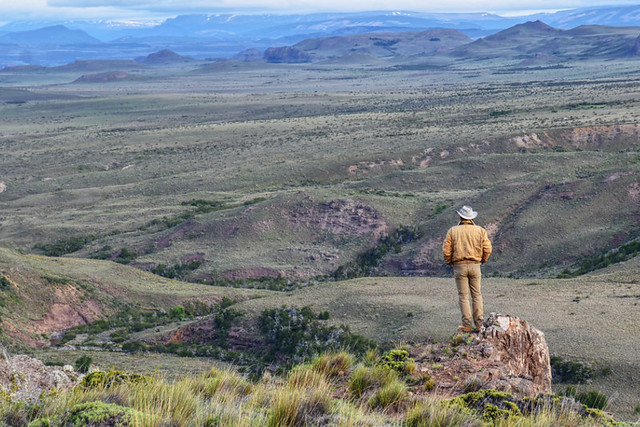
column 466, row 242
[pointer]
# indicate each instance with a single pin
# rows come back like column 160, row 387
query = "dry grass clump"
column 393, row 395
column 365, row 379
column 305, row 376
column 296, row 407
column 222, row 382
column 333, row 364
column 433, row 412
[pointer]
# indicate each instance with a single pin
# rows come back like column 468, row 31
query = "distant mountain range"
column 225, row 35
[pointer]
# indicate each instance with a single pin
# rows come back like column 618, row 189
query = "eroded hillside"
column 205, row 177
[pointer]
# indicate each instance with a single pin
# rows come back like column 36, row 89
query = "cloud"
column 332, row 5
column 130, row 9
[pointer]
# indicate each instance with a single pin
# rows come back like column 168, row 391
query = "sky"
column 12, row 10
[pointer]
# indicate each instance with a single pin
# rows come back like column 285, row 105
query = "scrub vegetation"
column 332, row 389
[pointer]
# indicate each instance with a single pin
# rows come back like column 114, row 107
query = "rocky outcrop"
column 286, row 54
column 508, row 355
column 339, row 217
column 24, row 378
column 519, row 353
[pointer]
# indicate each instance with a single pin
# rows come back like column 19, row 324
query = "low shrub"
column 428, row 382
column 120, row 335
column 366, row 261
column 324, row 315
column 567, row 371
column 293, row 334
column 83, row 363
column 97, row 413
column 102, row 379
column 125, row 256
column 177, row 271
column 591, row 399
column 65, row 246
column 399, row 361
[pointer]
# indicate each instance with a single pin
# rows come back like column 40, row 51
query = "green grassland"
column 121, row 162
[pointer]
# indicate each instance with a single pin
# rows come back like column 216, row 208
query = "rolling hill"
column 530, row 43
column 538, row 41
column 53, row 35
column 41, row 296
column 384, row 44
column 222, row 35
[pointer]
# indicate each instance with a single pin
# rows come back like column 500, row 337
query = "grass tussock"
column 364, row 379
column 223, row 382
column 297, row 407
column 431, row 412
column 305, row 376
column 333, row 364
column 391, row 396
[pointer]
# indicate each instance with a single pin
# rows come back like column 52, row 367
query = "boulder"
column 24, row 378
column 521, row 354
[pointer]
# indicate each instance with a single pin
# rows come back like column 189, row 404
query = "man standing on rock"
column 466, row 247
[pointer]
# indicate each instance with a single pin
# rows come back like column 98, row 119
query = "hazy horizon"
column 134, row 11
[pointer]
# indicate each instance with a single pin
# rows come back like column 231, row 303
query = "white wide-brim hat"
column 467, row 212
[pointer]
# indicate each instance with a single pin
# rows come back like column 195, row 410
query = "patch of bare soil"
column 66, row 307
column 339, row 217
column 634, row 191
column 592, row 137
column 178, row 233
column 424, row 262
column 365, row 167
column 70, row 309
column 204, row 332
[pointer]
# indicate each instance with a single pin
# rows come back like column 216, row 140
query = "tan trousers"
column 468, row 279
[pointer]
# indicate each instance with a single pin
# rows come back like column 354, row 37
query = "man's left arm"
column 447, row 249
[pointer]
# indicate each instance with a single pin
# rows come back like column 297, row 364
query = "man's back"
column 466, row 242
